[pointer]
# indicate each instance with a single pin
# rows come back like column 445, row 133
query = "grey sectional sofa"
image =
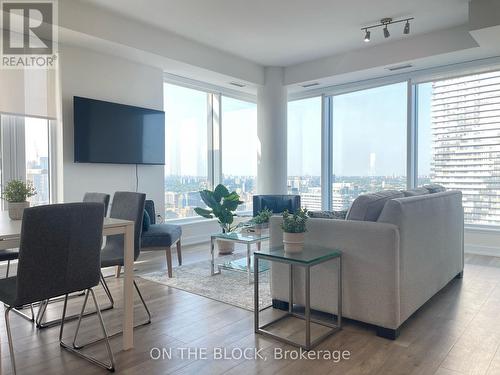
column 394, row 260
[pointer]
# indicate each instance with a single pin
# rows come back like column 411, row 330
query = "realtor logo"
column 28, row 35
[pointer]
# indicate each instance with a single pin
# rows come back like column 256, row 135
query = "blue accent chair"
column 161, row 237
column 276, row 203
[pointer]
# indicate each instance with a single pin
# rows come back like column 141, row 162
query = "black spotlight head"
column 407, row 28
column 367, row 36
column 386, row 32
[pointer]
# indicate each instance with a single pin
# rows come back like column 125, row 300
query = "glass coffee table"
column 311, row 256
column 241, row 265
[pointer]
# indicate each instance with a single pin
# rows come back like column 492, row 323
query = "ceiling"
column 287, row 32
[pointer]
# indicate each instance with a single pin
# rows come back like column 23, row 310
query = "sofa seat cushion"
column 367, row 207
column 415, row 192
column 161, row 235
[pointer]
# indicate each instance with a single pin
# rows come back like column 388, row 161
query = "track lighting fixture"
column 385, row 22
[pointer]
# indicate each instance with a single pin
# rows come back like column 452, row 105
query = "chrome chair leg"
column 143, row 303
column 109, row 366
column 56, row 322
column 8, row 268
column 23, row 315
column 148, row 321
column 9, row 339
column 107, row 291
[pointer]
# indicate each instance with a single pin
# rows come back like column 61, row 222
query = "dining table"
column 10, row 236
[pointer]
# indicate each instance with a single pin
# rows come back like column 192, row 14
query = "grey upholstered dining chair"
column 161, row 237
column 102, row 199
column 126, row 206
column 59, row 254
column 98, row 198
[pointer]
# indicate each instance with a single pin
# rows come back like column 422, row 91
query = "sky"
column 369, row 133
column 36, row 138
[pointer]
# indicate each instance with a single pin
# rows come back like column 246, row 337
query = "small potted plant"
column 16, row 193
column 261, row 221
column 294, row 228
column 222, row 204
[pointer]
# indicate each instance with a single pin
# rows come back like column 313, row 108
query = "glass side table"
column 309, row 257
column 236, row 265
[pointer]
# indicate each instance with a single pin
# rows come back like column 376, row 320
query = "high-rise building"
column 466, row 143
column 312, row 199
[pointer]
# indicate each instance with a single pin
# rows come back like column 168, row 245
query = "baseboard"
column 482, row 250
column 195, row 240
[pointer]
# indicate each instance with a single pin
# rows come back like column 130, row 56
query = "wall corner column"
column 272, row 133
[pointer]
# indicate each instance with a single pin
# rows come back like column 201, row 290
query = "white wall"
column 104, row 77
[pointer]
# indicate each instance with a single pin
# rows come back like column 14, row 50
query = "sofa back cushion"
column 367, row 207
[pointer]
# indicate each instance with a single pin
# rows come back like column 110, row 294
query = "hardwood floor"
column 456, row 332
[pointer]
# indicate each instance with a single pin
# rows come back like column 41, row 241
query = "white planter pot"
column 293, row 242
column 16, row 209
column 225, row 247
column 261, row 229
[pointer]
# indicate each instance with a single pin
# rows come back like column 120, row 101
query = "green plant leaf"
column 222, row 211
column 226, row 217
column 220, row 192
column 233, row 196
column 203, row 212
column 208, row 197
column 18, row 191
column 230, row 205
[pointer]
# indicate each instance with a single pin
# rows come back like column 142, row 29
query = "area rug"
column 230, row 286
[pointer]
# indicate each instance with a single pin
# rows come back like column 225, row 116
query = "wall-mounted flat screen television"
column 116, row 133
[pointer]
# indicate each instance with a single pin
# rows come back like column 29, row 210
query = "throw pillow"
column 367, row 207
column 339, row 215
column 434, row 188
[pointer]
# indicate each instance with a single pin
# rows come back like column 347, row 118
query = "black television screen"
column 116, row 133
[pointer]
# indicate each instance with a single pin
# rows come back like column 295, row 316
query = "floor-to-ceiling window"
column 185, row 150
column 239, row 148
column 25, row 154
column 36, row 133
column 304, row 151
column 368, row 142
column 459, row 141
column 210, row 138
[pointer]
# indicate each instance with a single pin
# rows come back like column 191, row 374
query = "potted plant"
column 16, row 193
column 261, row 221
column 222, row 204
column 294, row 228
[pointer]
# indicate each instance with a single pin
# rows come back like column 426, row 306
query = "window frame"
column 413, row 79
column 13, row 150
column 214, row 96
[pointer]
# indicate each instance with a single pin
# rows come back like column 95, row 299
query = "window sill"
column 482, row 229
column 189, row 221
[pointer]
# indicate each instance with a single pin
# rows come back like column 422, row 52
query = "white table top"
column 12, row 228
